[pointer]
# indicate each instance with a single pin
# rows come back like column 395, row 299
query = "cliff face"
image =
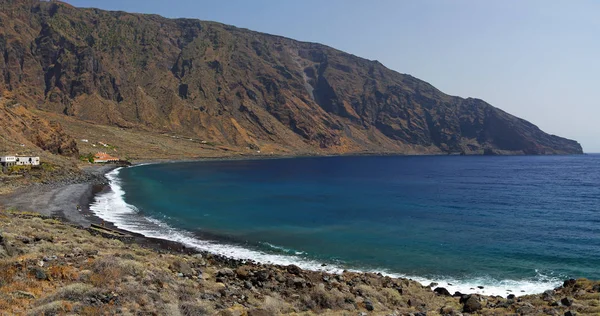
column 19, row 126
column 240, row 88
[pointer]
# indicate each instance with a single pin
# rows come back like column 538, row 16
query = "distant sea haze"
column 519, row 224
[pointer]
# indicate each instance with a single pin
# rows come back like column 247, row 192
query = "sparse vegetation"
column 48, row 267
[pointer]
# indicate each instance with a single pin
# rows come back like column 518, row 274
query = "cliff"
column 239, row 88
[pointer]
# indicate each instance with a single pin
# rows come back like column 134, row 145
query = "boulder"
column 569, row 283
column 40, row 274
column 447, row 310
column 414, row 302
column 369, row 306
column 548, row 295
column 566, row 301
column 225, row 272
column 442, row 291
column 299, row 282
column 242, row 272
column 526, row 309
column 471, row 304
column 293, row 269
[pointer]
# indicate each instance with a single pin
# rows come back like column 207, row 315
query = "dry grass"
column 91, row 275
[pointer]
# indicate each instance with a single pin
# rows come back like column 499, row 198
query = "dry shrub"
column 198, row 308
column 106, row 271
column 7, row 272
column 371, row 294
column 96, row 310
column 393, row 298
column 73, row 292
column 63, row 273
column 276, row 305
column 53, row 308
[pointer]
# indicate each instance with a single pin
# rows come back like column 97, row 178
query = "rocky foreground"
column 49, row 267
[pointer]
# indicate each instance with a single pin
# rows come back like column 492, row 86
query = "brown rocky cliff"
column 241, row 88
column 19, row 126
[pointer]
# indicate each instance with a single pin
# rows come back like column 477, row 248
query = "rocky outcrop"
column 19, row 126
column 241, row 88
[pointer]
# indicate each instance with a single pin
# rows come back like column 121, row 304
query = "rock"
column 566, row 301
column 242, row 272
column 369, row 305
column 24, row 294
column 526, row 309
column 225, row 272
column 447, row 310
column 262, row 275
column 299, row 282
column 24, row 239
column 548, row 295
column 442, row 291
column 40, row 274
column 464, row 298
column 569, row 283
column 570, row 313
column 414, row 302
column 472, row 305
column 293, row 269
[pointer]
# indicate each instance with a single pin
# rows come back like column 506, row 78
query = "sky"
column 536, row 59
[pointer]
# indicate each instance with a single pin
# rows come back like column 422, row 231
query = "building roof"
column 104, row 156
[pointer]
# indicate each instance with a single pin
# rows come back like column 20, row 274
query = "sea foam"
column 111, row 206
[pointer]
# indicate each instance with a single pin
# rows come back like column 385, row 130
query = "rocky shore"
column 50, row 267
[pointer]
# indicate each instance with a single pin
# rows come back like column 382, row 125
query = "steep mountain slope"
column 21, row 130
column 240, row 88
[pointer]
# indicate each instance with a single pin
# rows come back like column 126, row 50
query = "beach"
column 61, row 199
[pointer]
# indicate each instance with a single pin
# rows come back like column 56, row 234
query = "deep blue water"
column 519, row 223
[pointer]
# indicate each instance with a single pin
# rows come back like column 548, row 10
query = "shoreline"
column 479, row 286
column 64, row 198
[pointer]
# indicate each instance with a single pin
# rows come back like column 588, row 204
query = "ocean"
column 510, row 224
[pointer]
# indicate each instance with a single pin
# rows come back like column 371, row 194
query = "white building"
column 19, row 161
column 8, row 161
column 28, row 161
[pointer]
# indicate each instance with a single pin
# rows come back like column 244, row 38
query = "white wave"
column 112, row 207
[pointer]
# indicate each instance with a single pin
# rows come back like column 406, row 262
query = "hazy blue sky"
column 539, row 60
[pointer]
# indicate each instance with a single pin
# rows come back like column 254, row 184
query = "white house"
column 27, row 161
column 8, row 160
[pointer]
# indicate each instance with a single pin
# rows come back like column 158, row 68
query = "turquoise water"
column 522, row 224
